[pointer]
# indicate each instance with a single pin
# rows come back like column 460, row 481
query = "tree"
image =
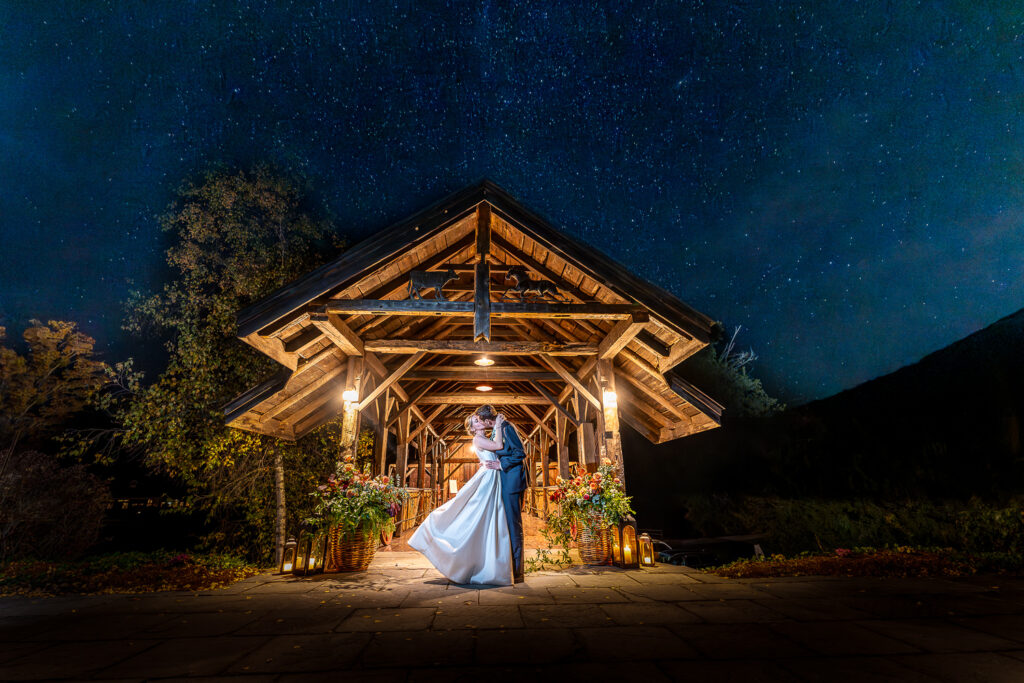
column 236, row 237
column 43, row 389
column 47, row 510
column 723, row 375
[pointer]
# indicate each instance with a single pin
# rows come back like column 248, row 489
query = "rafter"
column 391, row 379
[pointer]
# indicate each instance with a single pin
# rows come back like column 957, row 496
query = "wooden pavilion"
column 558, row 336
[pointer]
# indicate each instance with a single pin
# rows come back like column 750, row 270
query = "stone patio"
column 401, row 621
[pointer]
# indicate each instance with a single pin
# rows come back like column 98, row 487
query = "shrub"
column 49, row 511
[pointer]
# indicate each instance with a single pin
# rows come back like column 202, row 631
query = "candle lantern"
column 302, row 555
column 646, row 551
column 625, row 552
column 288, row 556
column 317, row 555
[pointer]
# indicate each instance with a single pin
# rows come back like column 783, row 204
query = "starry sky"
column 843, row 179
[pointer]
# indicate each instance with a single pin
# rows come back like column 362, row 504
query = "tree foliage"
column 235, row 238
column 723, row 374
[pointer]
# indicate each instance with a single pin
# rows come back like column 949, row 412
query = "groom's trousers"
column 513, row 503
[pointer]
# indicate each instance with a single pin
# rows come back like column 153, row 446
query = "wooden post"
column 562, row 444
column 350, row 396
column 545, row 444
column 420, row 460
column 610, row 404
column 402, row 456
column 380, row 435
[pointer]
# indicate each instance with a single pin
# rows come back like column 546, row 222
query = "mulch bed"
column 900, row 562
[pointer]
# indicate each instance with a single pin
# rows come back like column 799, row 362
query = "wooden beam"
column 391, row 379
column 533, row 416
column 337, row 374
column 477, row 398
column 653, row 395
column 513, row 309
column 556, row 405
column 697, row 398
column 473, row 374
column 565, row 374
column 430, row 418
column 482, row 303
column 422, row 391
column 466, row 347
column 335, row 329
column 483, row 231
column 302, row 341
column 621, row 334
column 425, row 307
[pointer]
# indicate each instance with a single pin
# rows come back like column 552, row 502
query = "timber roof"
column 358, row 305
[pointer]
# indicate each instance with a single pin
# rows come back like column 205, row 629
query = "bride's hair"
column 469, row 424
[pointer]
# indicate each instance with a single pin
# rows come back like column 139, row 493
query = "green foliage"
column 355, row 500
column 235, row 238
column 722, row 374
column 132, row 572
column 588, row 501
column 795, row 525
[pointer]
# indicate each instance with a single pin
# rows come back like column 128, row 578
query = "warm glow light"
column 611, row 399
column 350, row 395
column 627, row 554
column 485, row 361
column 287, row 566
column 483, row 387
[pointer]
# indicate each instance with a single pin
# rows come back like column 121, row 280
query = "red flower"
column 586, row 496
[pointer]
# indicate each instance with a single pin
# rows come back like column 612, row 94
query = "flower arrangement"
column 356, row 500
column 588, row 501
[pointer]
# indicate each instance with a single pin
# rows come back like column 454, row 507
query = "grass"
column 901, row 561
column 123, row 573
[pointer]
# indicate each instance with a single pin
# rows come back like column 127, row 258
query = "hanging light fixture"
column 483, row 387
column 483, row 362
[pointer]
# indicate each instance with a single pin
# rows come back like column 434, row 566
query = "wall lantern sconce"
column 350, row 396
column 611, row 399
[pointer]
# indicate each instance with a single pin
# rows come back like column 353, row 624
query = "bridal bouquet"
column 355, row 500
column 589, row 501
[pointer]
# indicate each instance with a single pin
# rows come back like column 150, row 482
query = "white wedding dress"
column 467, row 538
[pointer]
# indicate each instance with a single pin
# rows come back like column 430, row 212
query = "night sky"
column 843, row 179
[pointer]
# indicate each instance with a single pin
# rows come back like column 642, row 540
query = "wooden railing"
column 536, row 500
column 419, row 505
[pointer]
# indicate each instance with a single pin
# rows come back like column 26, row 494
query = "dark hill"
column 948, row 426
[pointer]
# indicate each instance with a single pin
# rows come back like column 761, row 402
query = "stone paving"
column 401, row 621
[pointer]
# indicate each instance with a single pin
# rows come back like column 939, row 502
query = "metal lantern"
column 646, row 551
column 317, row 555
column 302, row 555
column 625, row 551
column 288, row 556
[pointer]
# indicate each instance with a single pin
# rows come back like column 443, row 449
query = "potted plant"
column 355, row 508
column 586, row 506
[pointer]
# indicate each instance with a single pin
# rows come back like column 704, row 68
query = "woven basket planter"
column 595, row 546
column 352, row 551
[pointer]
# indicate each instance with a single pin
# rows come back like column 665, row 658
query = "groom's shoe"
column 518, row 578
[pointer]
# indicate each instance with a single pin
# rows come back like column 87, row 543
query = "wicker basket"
column 595, row 545
column 352, row 551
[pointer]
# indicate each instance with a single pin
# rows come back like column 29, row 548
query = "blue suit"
column 513, row 483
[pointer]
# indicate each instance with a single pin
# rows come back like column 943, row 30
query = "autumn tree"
column 235, row 238
column 46, row 509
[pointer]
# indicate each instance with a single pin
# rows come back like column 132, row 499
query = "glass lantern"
column 317, row 555
column 288, row 556
column 646, row 551
column 625, row 551
column 302, row 555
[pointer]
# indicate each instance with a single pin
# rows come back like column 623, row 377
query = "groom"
column 513, row 483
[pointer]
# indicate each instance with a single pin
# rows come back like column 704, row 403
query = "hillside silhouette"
column 947, row 427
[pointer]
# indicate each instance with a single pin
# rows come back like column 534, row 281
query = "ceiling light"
column 483, row 387
column 484, row 362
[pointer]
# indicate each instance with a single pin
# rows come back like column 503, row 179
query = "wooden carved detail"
column 526, row 287
column 420, row 280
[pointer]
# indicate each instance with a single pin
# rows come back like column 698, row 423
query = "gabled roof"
column 288, row 324
column 421, row 227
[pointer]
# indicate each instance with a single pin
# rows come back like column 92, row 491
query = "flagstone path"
column 401, row 621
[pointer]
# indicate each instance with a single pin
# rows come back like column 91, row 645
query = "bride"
column 467, row 538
